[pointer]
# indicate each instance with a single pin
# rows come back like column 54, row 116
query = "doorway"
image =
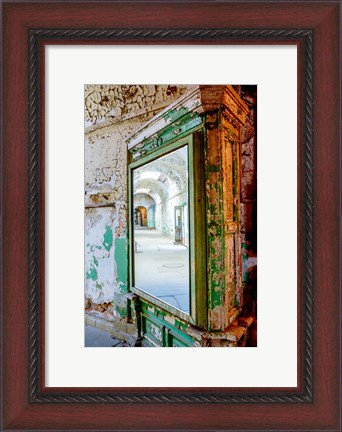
column 141, row 216
column 179, row 225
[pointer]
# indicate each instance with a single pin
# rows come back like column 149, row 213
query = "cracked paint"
column 108, row 238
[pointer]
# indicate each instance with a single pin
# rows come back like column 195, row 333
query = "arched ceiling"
column 144, row 200
column 163, row 177
column 152, row 187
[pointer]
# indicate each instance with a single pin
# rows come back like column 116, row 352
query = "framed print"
column 136, row 139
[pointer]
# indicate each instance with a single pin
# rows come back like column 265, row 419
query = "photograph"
column 170, row 184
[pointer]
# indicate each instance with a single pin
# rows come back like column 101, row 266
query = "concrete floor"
column 162, row 268
column 95, row 337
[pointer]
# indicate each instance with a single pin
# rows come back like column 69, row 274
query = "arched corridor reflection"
column 161, row 233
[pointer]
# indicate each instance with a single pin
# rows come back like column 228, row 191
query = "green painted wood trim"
column 197, row 235
column 215, row 227
column 136, row 164
column 174, row 331
column 174, row 131
column 197, row 225
column 130, row 229
column 161, row 304
column 161, row 151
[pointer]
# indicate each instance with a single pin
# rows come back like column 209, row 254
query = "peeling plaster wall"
column 112, row 101
column 106, row 217
column 112, row 114
column 99, row 256
column 249, row 202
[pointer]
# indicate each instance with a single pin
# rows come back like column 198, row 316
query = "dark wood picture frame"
column 27, row 404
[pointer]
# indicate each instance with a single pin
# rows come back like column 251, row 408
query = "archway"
column 140, row 216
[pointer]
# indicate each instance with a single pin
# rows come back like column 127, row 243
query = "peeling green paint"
column 121, row 260
column 120, row 310
column 171, row 332
column 108, row 238
column 186, row 123
column 175, row 114
column 213, row 168
column 159, row 312
column 93, row 247
column 92, row 273
column 99, row 286
column 181, row 325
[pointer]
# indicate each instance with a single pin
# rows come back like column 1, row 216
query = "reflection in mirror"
column 161, row 229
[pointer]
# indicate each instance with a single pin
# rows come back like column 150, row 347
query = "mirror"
column 161, row 228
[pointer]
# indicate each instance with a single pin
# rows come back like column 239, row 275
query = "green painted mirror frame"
column 197, row 235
